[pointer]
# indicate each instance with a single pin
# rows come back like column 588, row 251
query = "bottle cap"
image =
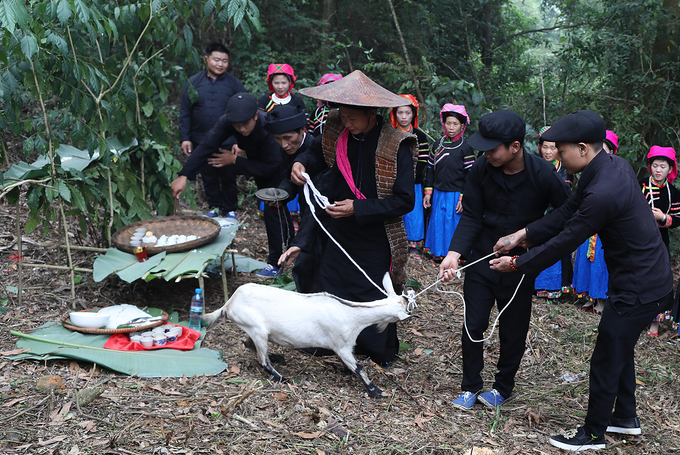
column 199, row 291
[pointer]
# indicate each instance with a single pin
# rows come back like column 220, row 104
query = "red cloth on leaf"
column 121, row 342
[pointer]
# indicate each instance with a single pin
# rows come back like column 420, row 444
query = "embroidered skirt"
column 591, row 278
column 414, row 221
column 443, row 222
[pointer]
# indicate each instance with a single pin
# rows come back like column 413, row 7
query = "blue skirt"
column 591, row 278
column 550, row 279
column 414, row 221
column 293, row 206
column 443, row 222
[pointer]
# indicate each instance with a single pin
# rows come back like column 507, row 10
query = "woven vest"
column 385, row 175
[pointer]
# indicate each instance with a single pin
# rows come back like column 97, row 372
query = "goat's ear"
column 387, row 285
column 403, row 315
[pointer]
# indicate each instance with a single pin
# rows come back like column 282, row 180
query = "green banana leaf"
column 54, row 341
column 168, row 266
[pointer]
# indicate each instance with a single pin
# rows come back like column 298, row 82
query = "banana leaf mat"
column 171, row 265
column 54, row 341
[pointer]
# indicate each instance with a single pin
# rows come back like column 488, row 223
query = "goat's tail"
column 211, row 319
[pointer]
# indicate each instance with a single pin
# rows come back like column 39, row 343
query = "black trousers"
column 480, row 296
column 280, row 231
column 220, row 187
column 612, row 366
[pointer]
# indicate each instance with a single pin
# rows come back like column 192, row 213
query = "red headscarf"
column 414, row 107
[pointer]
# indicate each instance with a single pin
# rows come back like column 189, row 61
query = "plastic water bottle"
column 196, row 311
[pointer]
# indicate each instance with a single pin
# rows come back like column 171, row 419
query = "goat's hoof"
column 277, row 358
column 375, row 392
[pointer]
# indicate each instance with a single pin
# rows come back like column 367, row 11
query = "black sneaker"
column 624, row 426
column 577, row 440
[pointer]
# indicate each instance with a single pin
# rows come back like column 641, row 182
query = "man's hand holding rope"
column 448, row 267
column 509, row 242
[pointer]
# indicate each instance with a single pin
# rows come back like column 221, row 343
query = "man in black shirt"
column 608, row 201
column 506, row 188
column 262, row 161
column 213, row 87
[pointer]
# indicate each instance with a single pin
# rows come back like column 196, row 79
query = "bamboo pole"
column 86, row 248
column 19, row 261
column 110, row 223
column 58, row 267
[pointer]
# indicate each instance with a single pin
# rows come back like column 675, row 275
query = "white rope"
column 458, row 271
column 495, row 322
column 323, row 203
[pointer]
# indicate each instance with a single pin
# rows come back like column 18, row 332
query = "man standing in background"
column 210, row 90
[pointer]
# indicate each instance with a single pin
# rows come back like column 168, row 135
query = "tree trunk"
column 487, row 35
column 330, row 19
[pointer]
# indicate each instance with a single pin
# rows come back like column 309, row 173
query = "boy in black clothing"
column 507, row 188
column 607, row 201
column 262, row 161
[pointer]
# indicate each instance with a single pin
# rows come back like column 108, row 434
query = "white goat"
column 320, row 320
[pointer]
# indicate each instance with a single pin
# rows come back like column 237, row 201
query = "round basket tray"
column 201, row 226
column 66, row 322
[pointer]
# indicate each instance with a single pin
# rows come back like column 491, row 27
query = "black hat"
column 496, row 128
column 579, row 126
column 285, row 118
column 241, row 108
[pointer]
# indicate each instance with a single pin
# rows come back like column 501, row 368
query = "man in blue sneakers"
column 507, row 188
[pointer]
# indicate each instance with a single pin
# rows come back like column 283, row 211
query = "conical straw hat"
column 356, row 89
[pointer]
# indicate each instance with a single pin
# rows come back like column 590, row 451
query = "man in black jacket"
column 210, row 90
column 262, row 160
column 607, row 202
column 507, row 188
column 288, row 125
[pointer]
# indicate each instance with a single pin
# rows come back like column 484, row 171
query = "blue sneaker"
column 465, row 401
column 215, row 213
column 269, row 272
column 491, row 398
column 232, row 215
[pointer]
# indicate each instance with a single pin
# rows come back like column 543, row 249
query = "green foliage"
column 80, row 73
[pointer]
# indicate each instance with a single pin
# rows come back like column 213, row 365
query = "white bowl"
column 88, row 320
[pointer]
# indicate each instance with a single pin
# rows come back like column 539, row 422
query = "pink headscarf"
column 614, row 139
column 666, row 152
column 458, row 109
column 280, row 68
column 325, row 79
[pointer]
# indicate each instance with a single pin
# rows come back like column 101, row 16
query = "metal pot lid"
column 271, row 194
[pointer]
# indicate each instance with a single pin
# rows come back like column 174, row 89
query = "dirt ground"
column 322, row 409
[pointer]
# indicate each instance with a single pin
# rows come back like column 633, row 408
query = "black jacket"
column 196, row 119
column 496, row 205
column 448, row 165
column 263, row 153
column 608, row 201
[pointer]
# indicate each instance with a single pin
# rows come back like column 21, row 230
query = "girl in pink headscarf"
column 281, row 80
column 448, row 166
column 322, row 107
column 664, row 199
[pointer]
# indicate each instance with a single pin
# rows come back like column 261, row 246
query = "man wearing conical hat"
column 370, row 168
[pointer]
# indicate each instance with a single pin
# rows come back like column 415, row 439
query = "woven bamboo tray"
column 202, row 226
column 66, row 322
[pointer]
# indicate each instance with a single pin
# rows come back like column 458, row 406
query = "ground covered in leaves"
column 323, row 409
